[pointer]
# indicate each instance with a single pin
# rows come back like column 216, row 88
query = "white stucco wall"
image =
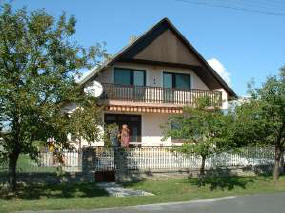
column 105, row 76
column 151, row 130
column 75, row 143
column 152, row 133
column 225, row 103
column 154, row 75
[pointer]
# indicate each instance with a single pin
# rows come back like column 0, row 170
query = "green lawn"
column 87, row 195
column 26, row 164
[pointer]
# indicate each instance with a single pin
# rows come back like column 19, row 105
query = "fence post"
column 121, row 161
column 88, row 163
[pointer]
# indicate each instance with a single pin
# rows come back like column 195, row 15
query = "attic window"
column 129, row 77
column 176, row 80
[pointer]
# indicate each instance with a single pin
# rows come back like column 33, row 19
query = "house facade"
column 152, row 78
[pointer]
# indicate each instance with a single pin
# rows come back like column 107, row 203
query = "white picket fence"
column 72, row 161
column 144, row 158
column 165, row 158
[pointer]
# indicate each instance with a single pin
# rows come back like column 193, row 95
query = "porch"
column 145, row 128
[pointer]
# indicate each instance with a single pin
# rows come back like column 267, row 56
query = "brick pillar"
column 88, row 163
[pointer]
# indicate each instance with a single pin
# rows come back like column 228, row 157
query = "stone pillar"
column 121, row 163
column 88, row 163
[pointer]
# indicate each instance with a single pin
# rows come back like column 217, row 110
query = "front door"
column 133, row 122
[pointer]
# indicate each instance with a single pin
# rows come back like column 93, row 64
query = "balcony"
column 157, row 96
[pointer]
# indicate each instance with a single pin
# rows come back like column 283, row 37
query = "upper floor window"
column 128, row 77
column 176, row 80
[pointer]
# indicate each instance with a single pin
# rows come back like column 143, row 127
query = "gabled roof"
column 205, row 72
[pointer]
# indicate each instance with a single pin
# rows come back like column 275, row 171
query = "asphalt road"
column 266, row 203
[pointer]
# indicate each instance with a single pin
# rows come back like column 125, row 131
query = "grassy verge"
column 87, row 195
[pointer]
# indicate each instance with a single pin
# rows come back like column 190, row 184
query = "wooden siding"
column 168, row 48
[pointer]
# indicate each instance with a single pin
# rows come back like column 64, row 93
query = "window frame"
column 173, row 79
column 132, row 75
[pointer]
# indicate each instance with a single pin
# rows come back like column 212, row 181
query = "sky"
column 240, row 45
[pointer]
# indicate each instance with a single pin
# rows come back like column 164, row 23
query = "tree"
column 86, row 123
column 202, row 130
column 261, row 119
column 38, row 61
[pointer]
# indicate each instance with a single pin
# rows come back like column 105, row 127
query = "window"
column 182, row 81
column 176, row 80
column 129, row 77
column 167, row 80
column 123, row 77
column 139, row 78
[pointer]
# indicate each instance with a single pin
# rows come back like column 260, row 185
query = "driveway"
column 266, row 203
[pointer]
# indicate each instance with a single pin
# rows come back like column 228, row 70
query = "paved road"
column 269, row 203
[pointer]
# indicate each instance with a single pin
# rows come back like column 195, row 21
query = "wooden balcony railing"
column 159, row 94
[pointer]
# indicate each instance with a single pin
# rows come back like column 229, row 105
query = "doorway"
column 133, row 121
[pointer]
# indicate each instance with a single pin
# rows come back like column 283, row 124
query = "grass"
column 26, row 164
column 87, row 195
column 54, row 191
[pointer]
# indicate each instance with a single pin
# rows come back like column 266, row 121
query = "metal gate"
column 105, row 164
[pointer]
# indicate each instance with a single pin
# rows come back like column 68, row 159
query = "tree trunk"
column 277, row 160
column 13, row 158
column 202, row 168
column 79, row 144
column 282, row 165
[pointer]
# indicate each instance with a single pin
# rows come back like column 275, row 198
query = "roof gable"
column 164, row 44
column 167, row 47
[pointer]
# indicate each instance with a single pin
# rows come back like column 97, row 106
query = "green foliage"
column 38, row 61
column 110, row 133
column 86, row 122
column 261, row 119
column 42, row 197
column 202, row 130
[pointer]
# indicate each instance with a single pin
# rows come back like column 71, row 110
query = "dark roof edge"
column 204, row 61
column 120, row 53
column 184, row 39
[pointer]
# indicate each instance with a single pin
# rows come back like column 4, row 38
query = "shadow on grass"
column 62, row 190
column 133, row 183
column 220, row 179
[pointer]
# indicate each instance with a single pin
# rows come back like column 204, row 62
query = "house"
column 155, row 76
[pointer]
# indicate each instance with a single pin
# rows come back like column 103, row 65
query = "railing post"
column 159, row 95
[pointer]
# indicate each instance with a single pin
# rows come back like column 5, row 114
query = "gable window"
column 129, row 77
column 176, row 80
